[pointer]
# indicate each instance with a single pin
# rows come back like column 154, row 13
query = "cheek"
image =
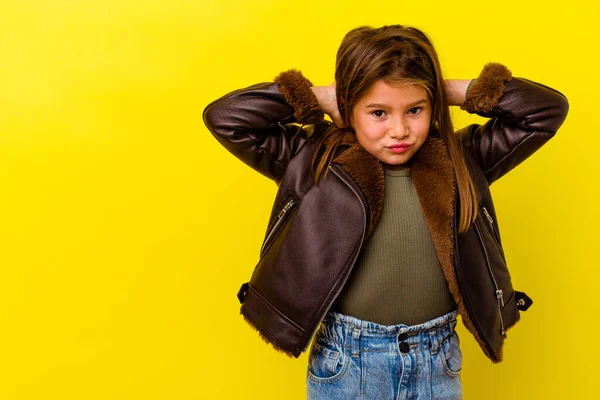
column 371, row 130
column 423, row 129
column 368, row 137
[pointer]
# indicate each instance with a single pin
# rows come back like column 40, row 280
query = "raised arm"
column 259, row 124
column 524, row 115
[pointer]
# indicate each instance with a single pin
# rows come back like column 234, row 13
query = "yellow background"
column 126, row 229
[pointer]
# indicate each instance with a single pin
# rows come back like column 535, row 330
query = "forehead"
column 396, row 95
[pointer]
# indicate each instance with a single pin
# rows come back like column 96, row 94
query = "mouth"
column 399, row 148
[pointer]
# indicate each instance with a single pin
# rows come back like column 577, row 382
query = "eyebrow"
column 377, row 105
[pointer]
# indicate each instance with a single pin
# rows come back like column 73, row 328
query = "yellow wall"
column 126, row 229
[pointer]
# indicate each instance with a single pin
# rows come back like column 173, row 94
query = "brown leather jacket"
column 315, row 233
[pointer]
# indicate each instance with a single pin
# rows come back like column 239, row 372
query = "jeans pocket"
column 326, row 362
column 451, row 355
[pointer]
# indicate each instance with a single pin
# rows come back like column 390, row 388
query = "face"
column 392, row 122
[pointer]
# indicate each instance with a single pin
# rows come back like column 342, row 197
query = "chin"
column 399, row 161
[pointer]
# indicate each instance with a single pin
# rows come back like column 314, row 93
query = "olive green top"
column 397, row 278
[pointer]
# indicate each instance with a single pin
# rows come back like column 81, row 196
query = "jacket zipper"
column 355, row 256
column 491, row 226
column 277, row 222
column 499, row 292
column 488, row 216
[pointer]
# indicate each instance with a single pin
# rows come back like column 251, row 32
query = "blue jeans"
column 351, row 358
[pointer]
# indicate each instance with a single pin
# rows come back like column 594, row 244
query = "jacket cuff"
column 485, row 91
column 296, row 90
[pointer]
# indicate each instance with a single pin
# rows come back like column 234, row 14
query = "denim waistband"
column 356, row 334
column 353, row 323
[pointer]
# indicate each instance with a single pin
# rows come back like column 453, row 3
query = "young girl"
column 383, row 229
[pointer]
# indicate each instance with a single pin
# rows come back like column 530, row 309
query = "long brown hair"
column 394, row 54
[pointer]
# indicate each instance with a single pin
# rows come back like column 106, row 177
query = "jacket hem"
column 272, row 326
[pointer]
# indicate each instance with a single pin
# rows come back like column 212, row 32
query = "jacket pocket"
column 283, row 216
column 489, row 223
column 496, row 265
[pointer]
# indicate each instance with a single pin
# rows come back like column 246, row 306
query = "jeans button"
column 402, row 337
column 404, row 347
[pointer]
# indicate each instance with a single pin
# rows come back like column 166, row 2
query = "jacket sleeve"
column 524, row 115
column 259, row 124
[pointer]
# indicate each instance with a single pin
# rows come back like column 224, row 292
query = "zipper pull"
column 285, row 208
column 487, row 215
column 500, row 296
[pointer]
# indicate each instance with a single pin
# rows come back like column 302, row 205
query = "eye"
column 416, row 108
column 377, row 111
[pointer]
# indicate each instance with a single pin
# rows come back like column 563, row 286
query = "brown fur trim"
column 298, row 93
column 263, row 337
column 487, row 89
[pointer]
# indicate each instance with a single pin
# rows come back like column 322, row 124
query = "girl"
column 383, row 229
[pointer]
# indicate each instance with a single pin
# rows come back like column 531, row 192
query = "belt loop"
column 433, row 341
column 355, row 342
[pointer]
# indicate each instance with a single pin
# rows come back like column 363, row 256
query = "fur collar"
column 432, row 174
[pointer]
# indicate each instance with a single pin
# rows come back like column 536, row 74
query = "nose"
column 399, row 128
